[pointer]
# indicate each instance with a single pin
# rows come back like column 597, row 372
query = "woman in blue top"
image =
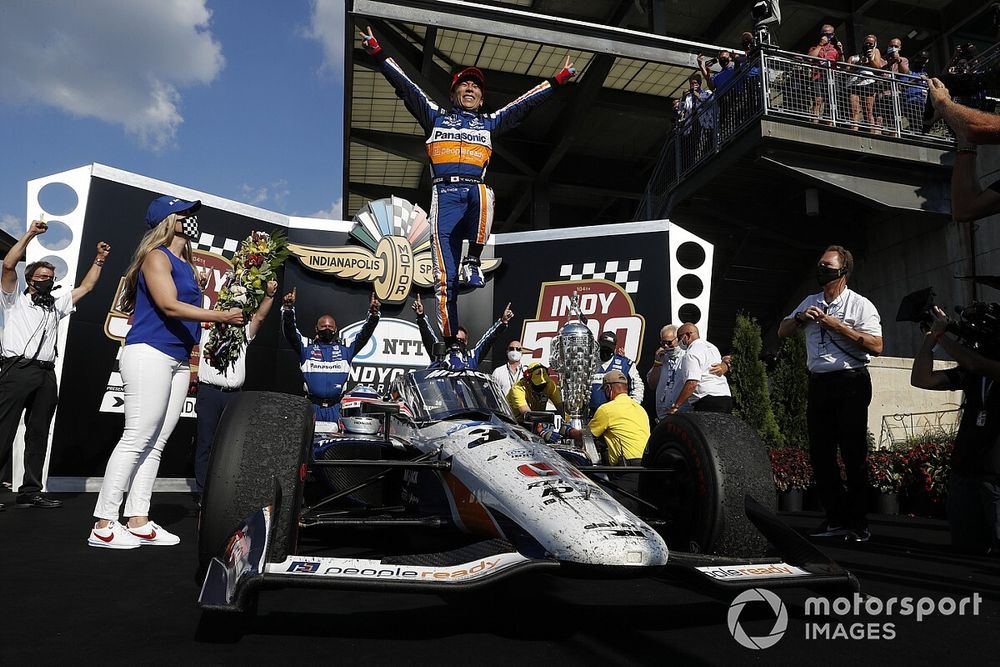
column 162, row 292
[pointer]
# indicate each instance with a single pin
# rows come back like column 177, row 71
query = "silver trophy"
column 574, row 355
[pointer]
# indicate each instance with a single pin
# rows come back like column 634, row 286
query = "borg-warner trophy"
column 574, row 354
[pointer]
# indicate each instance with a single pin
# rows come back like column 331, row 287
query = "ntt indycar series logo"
column 858, row 617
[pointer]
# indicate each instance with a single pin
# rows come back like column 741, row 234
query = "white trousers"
column 155, row 387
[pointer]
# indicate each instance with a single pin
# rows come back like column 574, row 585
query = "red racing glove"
column 370, row 44
column 565, row 75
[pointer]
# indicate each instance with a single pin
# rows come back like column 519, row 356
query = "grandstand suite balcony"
column 867, row 139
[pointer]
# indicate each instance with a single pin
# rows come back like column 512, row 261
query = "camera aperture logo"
column 780, row 622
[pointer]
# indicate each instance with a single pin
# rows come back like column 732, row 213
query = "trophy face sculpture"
column 574, row 354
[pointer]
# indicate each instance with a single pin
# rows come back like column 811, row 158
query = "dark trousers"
column 837, row 416
column 210, row 404
column 714, row 404
column 974, row 512
column 32, row 389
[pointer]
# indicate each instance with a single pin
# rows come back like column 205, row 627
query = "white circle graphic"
column 780, row 623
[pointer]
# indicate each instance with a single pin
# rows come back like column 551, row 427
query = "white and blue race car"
column 445, row 458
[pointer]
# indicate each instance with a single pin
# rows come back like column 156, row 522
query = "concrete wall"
column 908, row 411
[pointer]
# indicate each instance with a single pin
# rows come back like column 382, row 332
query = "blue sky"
column 240, row 98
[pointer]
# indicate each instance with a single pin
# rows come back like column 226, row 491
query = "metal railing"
column 780, row 84
column 910, row 426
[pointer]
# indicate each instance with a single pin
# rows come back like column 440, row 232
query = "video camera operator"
column 974, row 487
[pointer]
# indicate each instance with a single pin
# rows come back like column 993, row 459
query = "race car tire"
column 718, row 460
column 261, row 444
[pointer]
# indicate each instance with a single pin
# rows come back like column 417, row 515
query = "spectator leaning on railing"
column 968, row 201
column 831, row 49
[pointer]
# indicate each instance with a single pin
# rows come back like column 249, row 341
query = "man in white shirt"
column 28, row 377
column 703, row 389
column 842, row 330
column 512, row 371
column 216, row 389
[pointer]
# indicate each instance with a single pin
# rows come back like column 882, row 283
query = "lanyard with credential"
column 981, row 417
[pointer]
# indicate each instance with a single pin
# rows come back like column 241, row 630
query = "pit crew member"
column 611, row 360
column 325, row 360
column 459, row 356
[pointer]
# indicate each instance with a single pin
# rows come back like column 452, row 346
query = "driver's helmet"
column 352, row 419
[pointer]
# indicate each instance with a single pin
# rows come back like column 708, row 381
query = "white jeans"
column 155, row 387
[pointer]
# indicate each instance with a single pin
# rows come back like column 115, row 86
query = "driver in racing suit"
column 459, row 144
column 458, row 356
column 325, row 360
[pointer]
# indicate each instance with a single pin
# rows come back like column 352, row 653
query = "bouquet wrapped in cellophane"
column 255, row 263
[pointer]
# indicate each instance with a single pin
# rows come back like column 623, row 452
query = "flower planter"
column 790, row 500
column 887, row 503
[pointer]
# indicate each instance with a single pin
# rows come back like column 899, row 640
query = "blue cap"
column 165, row 205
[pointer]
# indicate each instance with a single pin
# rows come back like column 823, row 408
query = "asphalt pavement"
column 68, row 603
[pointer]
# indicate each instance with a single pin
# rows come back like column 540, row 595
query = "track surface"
column 68, row 603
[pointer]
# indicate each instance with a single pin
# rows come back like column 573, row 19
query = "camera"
column 972, row 78
column 977, row 326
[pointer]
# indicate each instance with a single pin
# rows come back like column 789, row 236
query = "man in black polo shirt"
column 974, row 487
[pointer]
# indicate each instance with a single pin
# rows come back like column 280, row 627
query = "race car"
column 443, row 456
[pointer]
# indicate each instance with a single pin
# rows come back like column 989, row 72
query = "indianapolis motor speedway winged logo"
column 394, row 255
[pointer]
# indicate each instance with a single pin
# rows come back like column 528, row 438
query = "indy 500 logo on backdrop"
column 607, row 305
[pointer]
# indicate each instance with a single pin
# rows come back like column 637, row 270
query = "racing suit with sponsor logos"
column 326, row 367
column 617, row 362
column 459, row 145
column 456, row 359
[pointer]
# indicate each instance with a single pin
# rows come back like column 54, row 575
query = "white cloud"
column 120, row 62
column 273, row 195
column 12, row 224
column 326, row 26
column 335, row 212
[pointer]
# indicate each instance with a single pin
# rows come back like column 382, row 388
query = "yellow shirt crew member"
column 621, row 421
column 533, row 392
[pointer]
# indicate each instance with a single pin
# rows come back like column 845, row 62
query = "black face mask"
column 539, row 388
column 326, row 336
column 44, row 286
column 606, row 353
column 724, row 62
column 826, row 274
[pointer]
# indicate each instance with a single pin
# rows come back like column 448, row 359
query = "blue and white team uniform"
column 617, row 362
column 459, row 144
column 326, row 367
column 456, row 359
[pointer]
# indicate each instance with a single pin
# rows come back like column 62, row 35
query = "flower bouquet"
column 791, row 468
column 885, row 470
column 254, row 264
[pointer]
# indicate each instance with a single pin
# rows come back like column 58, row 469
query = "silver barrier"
column 781, row 84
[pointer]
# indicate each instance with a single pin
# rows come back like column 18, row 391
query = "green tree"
column 789, row 389
column 748, row 381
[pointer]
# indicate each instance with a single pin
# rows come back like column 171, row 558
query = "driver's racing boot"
column 471, row 274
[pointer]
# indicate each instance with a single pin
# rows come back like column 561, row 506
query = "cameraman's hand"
column 940, row 323
column 938, row 93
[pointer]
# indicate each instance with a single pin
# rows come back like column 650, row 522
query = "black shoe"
column 36, row 500
column 858, row 535
column 826, row 529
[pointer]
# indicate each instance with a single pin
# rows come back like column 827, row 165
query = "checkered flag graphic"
column 625, row 273
column 219, row 246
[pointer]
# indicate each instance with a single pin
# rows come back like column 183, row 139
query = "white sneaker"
column 112, row 536
column 153, row 534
